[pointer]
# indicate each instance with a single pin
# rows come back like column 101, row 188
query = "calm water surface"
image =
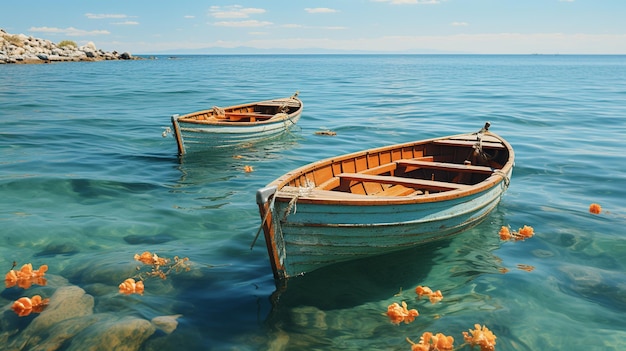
column 87, row 180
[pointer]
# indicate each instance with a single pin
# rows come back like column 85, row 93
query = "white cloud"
column 126, row 23
column 234, row 11
column 320, row 10
column 104, row 16
column 250, row 23
column 189, row 16
column 459, row 24
column 70, row 31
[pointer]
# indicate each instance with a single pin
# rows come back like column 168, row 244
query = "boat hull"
column 314, row 235
column 198, row 137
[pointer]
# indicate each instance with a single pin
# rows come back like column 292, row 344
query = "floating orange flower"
column 398, row 314
column 423, row 290
column 521, row 234
column 482, row 337
column 430, row 342
column 129, row 286
column 26, row 276
column 505, row 233
column 248, row 169
column 151, row 259
column 526, row 232
column 595, row 208
column 434, row 297
column 24, row 305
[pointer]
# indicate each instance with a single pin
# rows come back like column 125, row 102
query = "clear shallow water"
column 87, row 181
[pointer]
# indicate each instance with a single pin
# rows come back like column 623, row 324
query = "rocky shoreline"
column 20, row 48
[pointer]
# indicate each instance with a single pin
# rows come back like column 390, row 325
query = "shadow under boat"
column 348, row 284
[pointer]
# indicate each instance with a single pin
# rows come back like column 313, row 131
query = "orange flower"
column 595, row 208
column 24, row 305
column 505, row 233
column 151, row 259
column 423, row 290
column 426, row 291
column 398, row 314
column 521, row 234
column 248, row 169
column 526, row 232
column 145, row 257
column 10, row 279
column 26, row 276
column 129, row 286
column 435, row 297
column 443, row 343
column 430, row 342
column 481, row 337
column 38, row 303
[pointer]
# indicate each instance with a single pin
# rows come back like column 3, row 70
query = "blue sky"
column 351, row 26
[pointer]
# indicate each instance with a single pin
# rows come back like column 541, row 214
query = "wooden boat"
column 235, row 125
column 381, row 200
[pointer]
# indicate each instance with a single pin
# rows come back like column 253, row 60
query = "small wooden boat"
column 235, row 125
column 381, row 200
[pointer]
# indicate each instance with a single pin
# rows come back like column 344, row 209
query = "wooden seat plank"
column 408, row 182
column 469, row 143
column 445, row 166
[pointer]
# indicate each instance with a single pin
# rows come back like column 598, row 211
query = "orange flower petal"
column 23, row 306
column 505, row 233
column 423, row 290
column 595, row 208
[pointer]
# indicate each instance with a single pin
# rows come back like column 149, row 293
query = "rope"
column 292, row 204
column 507, row 180
column 218, row 111
column 302, row 191
column 256, row 237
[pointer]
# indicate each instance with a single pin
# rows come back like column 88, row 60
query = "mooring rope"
column 269, row 210
column 218, row 111
column 295, row 193
column 506, row 178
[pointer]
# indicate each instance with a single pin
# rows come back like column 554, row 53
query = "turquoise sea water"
column 87, row 180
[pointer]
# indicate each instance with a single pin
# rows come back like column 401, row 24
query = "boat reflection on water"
column 354, row 283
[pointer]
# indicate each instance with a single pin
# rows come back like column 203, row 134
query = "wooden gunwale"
column 237, row 111
column 306, row 172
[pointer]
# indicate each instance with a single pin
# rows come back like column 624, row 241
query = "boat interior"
column 245, row 113
column 433, row 167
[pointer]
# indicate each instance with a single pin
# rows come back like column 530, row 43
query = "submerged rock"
column 123, row 334
column 166, row 323
column 68, row 323
column 58, row 249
